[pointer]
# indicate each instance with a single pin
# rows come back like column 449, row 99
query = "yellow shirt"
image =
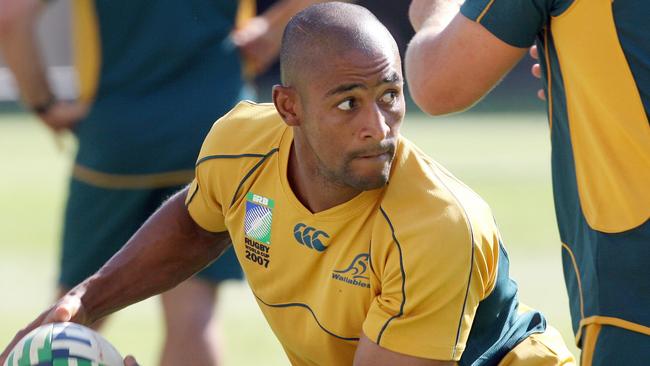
column 408, row 264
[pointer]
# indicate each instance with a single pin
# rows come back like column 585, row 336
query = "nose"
column 375, row 124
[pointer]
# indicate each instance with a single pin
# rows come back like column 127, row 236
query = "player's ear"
column 287, row 103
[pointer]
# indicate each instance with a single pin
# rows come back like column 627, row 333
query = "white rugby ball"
column 68, row 344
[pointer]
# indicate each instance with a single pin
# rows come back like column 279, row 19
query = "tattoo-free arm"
column 18, row 20
column 168, row 249
column 370, row 354
column 449, row 69
column 21, row 52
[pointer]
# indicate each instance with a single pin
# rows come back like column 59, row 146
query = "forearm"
column 169, row 248
column 449, row 71
column 433, row 14
column 21, row 51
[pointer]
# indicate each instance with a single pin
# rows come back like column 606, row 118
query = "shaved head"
column 342, row 95
column 325, row 31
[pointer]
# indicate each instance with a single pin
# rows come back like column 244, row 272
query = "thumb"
column 61, row 314
column 65, row 310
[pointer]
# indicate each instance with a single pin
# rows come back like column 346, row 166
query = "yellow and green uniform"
column 417, row 266
column 595, row 58
column 156, row 75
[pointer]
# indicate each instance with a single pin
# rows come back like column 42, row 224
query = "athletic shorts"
column 608, row 282
column 99, row 221
column 604, row 345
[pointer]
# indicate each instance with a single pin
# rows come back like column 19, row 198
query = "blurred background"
column 500, row 148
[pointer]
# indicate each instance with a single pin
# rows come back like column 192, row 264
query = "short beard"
column 346, row 178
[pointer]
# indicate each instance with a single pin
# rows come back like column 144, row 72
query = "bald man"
column 345, row 267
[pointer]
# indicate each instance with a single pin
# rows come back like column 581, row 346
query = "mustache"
column 384, row 146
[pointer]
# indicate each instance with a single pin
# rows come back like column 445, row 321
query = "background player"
column 345, row 267
column 154, row 75
column 595, row 57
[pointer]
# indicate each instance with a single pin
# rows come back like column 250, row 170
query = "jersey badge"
column 356, row 273
column 310, row 237
column 257, row 228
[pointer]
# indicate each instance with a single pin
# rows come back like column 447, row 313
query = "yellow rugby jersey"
column 417, row 265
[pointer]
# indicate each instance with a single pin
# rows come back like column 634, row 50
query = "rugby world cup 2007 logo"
column 257, row 228
column 258, row 219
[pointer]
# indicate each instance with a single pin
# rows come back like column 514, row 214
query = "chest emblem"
column 258, row 219
column 257, row 229
column 310, row 237
column 356, row 273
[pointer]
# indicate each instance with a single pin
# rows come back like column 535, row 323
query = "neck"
column 315, row 191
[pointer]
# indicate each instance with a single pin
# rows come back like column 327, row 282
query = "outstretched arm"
column 451, row 67
column 168, row 249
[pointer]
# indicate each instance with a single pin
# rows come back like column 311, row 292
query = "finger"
column 64, row 311
column 533, row 52
column 130, row 361
column 536, row 70
column 541, row 95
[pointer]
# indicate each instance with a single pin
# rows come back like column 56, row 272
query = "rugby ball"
column 68, row 344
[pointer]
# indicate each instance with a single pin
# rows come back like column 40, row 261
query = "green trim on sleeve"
column 515, row 22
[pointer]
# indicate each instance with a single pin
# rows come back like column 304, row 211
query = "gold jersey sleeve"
column 235, row 145
column 434, row 257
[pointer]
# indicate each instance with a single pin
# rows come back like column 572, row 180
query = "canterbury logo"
column 310, row 237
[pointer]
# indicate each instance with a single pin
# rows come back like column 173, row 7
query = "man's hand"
column 537, row 71
column 130, row 361
column 64, row 115
column 259, row 44
column 67, row 309
column 259, row 38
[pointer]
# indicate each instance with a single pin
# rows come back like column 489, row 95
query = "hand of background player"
column 259, row 44
column 64, row 115
column 67, row 309
column 130, row 361
column 537, row 71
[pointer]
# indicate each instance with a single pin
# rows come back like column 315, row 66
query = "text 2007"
column 257, row 259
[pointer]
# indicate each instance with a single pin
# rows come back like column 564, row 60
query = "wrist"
column 44, row 107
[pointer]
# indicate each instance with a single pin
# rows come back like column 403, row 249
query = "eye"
column 347, row 104
column 389, row 97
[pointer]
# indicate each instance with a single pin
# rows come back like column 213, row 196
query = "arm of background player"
column 370, row 354
column 450, row 68
column 259, row 38
column 20, row 50
column 168, row 249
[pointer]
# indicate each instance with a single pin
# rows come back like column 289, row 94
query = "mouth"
column 377, row 155
column 382, row 155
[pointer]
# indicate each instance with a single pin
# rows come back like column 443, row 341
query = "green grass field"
column 504, row 157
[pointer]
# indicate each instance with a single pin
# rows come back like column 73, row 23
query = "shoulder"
column 433, row 217
column 249, row 129
column 240, row 145
column 420, row 189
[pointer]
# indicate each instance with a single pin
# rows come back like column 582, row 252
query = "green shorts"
column 99, row 221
